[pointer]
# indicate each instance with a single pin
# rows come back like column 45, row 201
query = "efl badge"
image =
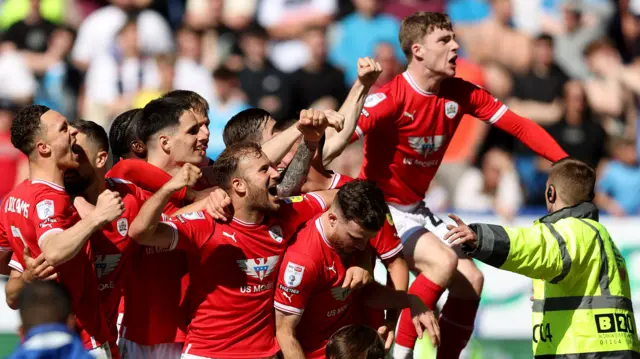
column 45, row 209
column 293, row 275
column 123, row 226
column 193, row 215
column 374, row 99
column 450, row 109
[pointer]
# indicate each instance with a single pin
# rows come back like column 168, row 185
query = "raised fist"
column 186, row 177
column 108, row 207
column 312, row 124
column 368, row 71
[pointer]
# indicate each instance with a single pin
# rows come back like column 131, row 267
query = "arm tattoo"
column 297, row 171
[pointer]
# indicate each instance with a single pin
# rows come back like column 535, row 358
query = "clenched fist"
column 186, row 177
column 312, row 124
column 368, row 71
column 108, row 207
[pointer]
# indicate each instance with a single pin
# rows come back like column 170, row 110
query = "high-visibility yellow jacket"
column 582, row 301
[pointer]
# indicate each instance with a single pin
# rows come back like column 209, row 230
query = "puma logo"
column 232, row 236
column 332, row 268
column 287, row 296
column 410, row 115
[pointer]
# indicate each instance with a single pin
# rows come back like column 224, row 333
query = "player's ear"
column 551, row 193
column 417, row 50
column 137, row 147
column 43, row 148
column 101, row 159
column 239, row 185
column 165, row 143
column 333, row 219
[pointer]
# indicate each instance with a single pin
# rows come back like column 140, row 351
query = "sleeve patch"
column 293, row 275
column 374, row 99
column 390, row 219
column 191, row 216
column 294, row 199
column 45, row 209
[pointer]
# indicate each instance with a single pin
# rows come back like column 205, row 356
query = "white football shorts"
column 132, row 350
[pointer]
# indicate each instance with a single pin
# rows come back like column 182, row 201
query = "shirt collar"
column 46, row 328
column 582, row 210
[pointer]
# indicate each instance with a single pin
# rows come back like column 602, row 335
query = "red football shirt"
column 32, row 211
column 407, row 131
column 112, row 249
column 310, row 285
column 156, row 278
column 232, row 282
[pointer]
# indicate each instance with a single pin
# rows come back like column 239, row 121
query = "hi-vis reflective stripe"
column 566, row 258
column 604, row 269
column 620, row 354
column 586, row 302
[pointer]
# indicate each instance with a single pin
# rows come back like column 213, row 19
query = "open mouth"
column 453, row 60
column 273, row 190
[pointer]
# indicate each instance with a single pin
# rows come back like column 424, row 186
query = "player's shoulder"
column 388, row 94
column 308, row 238
column 196, row 217
column 453, row 84
column 40, row 190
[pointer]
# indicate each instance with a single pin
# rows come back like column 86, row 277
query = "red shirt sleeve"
column 296, row 281
column 387, row 242
column 299, row 209
column 144, row 175
column 54, row 213
column 190, row 230
column 16, row 263
column 481, row 104
column 5, row 245
column 379, row 109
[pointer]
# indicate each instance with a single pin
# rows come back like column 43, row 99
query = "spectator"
column 285, row 22
column 14, row 71
column 165, row 65
column 537, row 94
column 48, row 324
column 266, row 87
column 13, row 163
column 578, row 133
column 494, row 39
column 189, row 71
column 98, row 31
column 403, row 8
column 618, row 188
column 229, row 101
column 318, row 84
column 115, row 78
column 355, row 342
column 385, row 54
column 494, row 187
column 357, row 35
column 32, row 33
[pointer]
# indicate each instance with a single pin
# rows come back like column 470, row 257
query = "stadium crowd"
column 224, row 188
column 568, row 65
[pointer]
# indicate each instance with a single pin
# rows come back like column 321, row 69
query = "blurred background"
column 570, row 65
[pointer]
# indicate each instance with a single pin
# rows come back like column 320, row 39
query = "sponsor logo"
column 334, row 312
column 615, row 323
column 410, row 115
column 45, row 209
column 276, row 233
column 232, row 236
column 332, row 268
column 123, row 226
column 428, row 145
column 365, row 113
column 288, row 296
column 339, row 293
column 259, row 267
column 293, row 275
column 294, row 199
column 106, row 264
column 414, row 162
column 374, row 99
column 288, row 290
column 451, row 109
column 47, row 223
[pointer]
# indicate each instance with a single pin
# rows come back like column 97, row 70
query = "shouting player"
column 407, row 127
column 39, row 215
column 311, row 302
column 232, row 265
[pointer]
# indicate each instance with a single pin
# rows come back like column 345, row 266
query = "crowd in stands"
column 569, row 65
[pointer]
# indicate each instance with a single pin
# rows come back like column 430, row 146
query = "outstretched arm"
column 286, row 335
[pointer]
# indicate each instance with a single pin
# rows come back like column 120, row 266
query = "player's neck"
column 162, row 161
column 326, row 227
column 425, row 79
column 248, row 215
column 46, row 172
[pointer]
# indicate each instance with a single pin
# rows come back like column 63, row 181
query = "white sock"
column 400, row 352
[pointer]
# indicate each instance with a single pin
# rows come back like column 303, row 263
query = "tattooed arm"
column 296, row 173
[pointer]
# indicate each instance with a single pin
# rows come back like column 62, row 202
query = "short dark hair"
column 160, row 114
column 282, row 125
column 44, row 302
column 245, row 126
column 223, row 72
column 355, row 342
column 197, row 102
column 26, row 127
column 363, row 202
column 226, row 165
column 255, row 30
column 123, row 131
column 94, row 132
column 574, row 181
column 546, row 38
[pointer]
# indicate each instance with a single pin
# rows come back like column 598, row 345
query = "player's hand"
column 108, row 207
column 387, row 333
column 368, row 71
column 356, row 278
column 461, row 234
column 335, row 119
column 422, row 316
column 219, row 205
column 186, row 177
column 312, row 124
column 83, row 207
column 37, row 269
